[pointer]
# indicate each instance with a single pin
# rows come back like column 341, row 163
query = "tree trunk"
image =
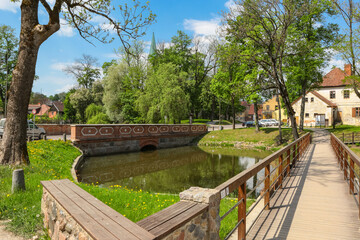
column 13, row 147
column 280, row 133
column 212, row 109
column 256, row 117
column 233, row 111
column 302, row 110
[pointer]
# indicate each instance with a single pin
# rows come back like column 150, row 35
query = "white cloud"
column 65, row 29
column 65, row 88
column 200, row 27
column 339, row 63
column 230, row 4
column 60, row 66
column 8, row 5
column 108, row 27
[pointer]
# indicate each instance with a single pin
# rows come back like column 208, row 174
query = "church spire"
column 153, row 45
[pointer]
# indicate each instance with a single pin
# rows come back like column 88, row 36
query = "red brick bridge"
column 105, row 139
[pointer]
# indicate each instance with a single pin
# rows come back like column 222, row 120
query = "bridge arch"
column 149, row 144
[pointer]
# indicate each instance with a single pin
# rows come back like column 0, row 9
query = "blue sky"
column 195, row 17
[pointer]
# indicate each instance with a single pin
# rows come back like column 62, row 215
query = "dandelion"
column 8, row 195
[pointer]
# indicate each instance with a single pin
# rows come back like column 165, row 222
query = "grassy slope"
column 265, row 138
column 53, row 160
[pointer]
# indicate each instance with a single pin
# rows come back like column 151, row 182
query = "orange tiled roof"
column 334, row 78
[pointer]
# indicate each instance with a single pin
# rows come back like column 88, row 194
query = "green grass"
column 223, row 122
column 195, row 121
column 230, row 220
column 266, row 138
column 344, row 129
column 53, row 160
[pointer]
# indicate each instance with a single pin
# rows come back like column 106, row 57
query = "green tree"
column 266, row 25
column 122, row 83
column 69, row 110
column 169, row 101
column 8, row 57
column 85, row 71
column 80, row 100
column 312, row 39
column 36, row 98
column 58, row 97
column 132, row 18
column 230, row 81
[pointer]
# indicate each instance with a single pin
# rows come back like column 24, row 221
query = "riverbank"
column 247, row 138
column 53, row 159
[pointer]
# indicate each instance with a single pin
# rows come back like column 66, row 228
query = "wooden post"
column 242, row 212
column 45, row 137
column 18, row 180
column 353, row 142
column 288, row 163
column 345, row 165
column 64, row 137
column 341, row 158
column 351, row 189
column 280, row 171
column 267, row 187
column 294, row 156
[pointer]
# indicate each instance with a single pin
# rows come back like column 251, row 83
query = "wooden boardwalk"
column 314, row 202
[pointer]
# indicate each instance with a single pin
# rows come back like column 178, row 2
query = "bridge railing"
column 276, row 167
column 349, row 163
column 349, row 138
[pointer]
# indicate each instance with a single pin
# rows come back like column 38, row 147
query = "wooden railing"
column 349, row 163
column 349, row 138
column 277, row 166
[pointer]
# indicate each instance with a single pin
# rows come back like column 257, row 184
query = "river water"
column 170, row 170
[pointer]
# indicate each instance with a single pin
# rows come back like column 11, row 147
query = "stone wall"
column 58, row 222
column 205, row 226
column 97, row 140
column 56, row 129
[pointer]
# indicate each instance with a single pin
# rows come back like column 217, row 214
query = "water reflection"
column 167, row 170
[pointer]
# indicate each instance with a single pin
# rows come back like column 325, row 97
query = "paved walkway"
column 314, row 203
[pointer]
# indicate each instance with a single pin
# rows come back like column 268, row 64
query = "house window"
column 306, row 115
column 267, row 107
column 346, row 93
column 312, row 99
column 356, row 112
column 315, row 115
column 332, row 94
column 306, row 99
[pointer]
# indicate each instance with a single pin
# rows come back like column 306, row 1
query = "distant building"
column 333, row 100
column 52, row 109
column 270, row 110
column 152, row 46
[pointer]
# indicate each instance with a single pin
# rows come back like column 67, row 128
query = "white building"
column 334, row 99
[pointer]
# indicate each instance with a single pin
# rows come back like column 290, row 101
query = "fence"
column 349, row 138
column 277, row 167
column 349, row 163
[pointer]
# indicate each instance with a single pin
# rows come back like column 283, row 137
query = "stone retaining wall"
column 60, row 224
column 56, row 129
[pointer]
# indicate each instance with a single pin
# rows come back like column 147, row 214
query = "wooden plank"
column 103, row 220
column 314, row 202
column 111, row 213
column 84, row 219
column 164, row 215
column 174, row 223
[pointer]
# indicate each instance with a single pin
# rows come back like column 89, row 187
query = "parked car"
column 273, row 122
column 265, row 122
column 252, row 124
column 32, row 131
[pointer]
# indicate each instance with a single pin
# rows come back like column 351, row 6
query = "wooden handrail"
column 234, row 182
column 347, row 160
column 294, row 150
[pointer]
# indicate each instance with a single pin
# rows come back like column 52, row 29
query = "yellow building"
column 270, row 110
